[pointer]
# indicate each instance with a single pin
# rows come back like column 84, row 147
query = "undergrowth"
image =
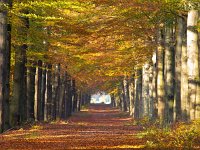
column 176, row 136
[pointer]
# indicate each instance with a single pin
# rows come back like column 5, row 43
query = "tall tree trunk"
column 125, row 94
column 160, row 78
column 113, row 104
column 151, row 88
column 31, row 71
column 178, row 66
column 154, row 87
column 184, row 75
column 79, row 97
column 48, row 94
column 145, row 89
column 131, row 96
column 74, row 96
column 69, row 97
column 18, row 105
column 38, row 86
column 58, row 89
column 193, row 64
column 138, row 95
column 62, row 93
column 4, row 56
column 169, row 75
column 18, row 101
column 43, row 91
column 55, row 91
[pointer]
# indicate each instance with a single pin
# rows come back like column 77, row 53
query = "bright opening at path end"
column 100, row 97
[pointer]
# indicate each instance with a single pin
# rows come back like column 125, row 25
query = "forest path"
column 99, row 127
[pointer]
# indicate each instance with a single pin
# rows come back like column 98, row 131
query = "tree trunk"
column 31, row 71
column 79, row 97
column 74, row 96
column 131, row 96
column 178, row 66
column 4, row 56
column 113, row 104
column 184, row 75
column 48, row 94
column 154, row 88
column 69, row 97
column 58, row 89
column 43, row 91
column 55, row 89
column 169, row 75
column 125, row 94
column 38, row 87
column 145, row 89
column 160, row 78
column 193, row 64
column 138, row 95
column 61, row 97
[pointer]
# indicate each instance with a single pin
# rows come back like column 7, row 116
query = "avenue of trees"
column 55, row 54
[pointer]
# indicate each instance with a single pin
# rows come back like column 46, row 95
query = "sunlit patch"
column 36, row 127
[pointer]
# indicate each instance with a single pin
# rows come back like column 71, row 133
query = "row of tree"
column 52, row 50
column 167, row 88
column 32, row 87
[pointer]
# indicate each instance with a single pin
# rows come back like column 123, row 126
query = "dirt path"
column 98, row 128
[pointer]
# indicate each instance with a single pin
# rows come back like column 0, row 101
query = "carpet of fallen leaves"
column 99, row 127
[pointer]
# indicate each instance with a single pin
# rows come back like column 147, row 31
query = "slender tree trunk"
column 125, row 94
column 138, row 95
column 74, row 96
column 154, row 87
column 145, row 89
column 39, row 89
column 31, row 71
column 4, row 55
column 69, row 97
column 61, row 97
column 58, row 89
column 43, row 91
column 169, row 75
column 121, row 98
column 113, row 104
column 178, row 66
column 192, row 64
column 79, row 101
column 131, row 95
column 184, row 75
column 151, row 91
column 48, row 97
column 160, row 78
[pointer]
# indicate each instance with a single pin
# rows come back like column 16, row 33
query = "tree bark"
column 169, row 75
column 38, row 86
column 145, row 90
column 61, row 97
column 48, row 94
column 160, row 78
column 154, row 87
column 193, row 64
column 43, row 91
column 31, row 71
column 125, row 85
column 138, row 95
column 4, row 57
column 131, row 96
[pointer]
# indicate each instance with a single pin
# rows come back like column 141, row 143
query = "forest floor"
column 99, row 127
